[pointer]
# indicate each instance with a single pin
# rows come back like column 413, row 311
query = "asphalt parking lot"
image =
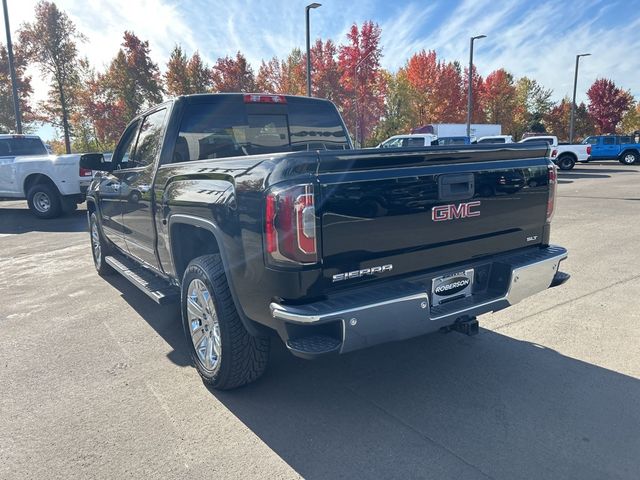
column 96, row 382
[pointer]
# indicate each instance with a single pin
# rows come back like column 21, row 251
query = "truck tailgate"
column 420, row 209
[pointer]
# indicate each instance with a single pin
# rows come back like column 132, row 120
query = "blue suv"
column 623, row 148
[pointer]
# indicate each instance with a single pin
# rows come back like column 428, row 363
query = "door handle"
column 456, row 187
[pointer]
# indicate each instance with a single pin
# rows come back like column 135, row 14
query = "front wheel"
column 44, row 201
column 99, row 247
column 566, row 163
column 224, row 353
column 629, row 158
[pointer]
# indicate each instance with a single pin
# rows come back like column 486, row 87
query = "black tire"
column 242, row 357
column 100, row 247
column 44, row 201
column 566, row 162
column 629, row 158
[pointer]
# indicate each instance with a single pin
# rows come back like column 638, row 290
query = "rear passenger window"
column 416, row 142
column 609, row 141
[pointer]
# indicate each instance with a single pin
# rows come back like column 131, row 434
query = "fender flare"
column 43, row 176
column 180, row 218
column 628, row 150
column 568, row 154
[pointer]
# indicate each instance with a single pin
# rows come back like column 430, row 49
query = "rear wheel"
column 629, row 158
column 566, row 162
column 44, row 201
column 224, row 353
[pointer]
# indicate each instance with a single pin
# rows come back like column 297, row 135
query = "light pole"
column 470, row 85
column 12, row 70
column 573, row 103
column 306, row 11
column 355, row 90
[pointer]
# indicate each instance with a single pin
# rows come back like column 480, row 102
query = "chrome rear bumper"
column 402, row 309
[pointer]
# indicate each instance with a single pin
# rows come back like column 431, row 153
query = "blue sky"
column 534, row 38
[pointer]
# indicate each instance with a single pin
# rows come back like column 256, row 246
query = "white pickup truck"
column 51, row 184
column 562, row 154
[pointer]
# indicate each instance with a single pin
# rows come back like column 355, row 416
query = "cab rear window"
column 227, row 127
column 21, row 146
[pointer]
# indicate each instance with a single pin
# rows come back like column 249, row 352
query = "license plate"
column 451, row 286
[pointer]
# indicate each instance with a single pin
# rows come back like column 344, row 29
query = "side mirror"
column 95, row 161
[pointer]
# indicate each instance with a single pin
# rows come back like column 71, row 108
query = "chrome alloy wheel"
column 42, row 202
column 203, row 325
column 629, row 158
column 95, row 243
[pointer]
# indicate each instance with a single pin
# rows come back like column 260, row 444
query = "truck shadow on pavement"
column 164, row 319
column 438, row 406
column 445, row 406
column 21, row 220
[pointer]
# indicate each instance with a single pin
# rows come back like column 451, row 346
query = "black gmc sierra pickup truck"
column 257, row 215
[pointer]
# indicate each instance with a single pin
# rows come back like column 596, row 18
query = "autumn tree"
column 398, row 107
column 533, row 102
column 100, row 115
column 450, row 102
column 268, row 77
column 498, row 97
column 51, row 42
column 287, row 77
column 199, row 74
column 362, row 79
column 233, row 75
column 631, row 120
column 132, row 78
column 422, row 75
column 186, row 76
column 176, row 78
column 607, row 104
column 7, row 115
column 556, row 121
column 325, row 71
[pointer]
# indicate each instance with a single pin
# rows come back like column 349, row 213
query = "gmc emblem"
column 449, row 212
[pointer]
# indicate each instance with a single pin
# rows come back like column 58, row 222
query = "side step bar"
column 153, row 286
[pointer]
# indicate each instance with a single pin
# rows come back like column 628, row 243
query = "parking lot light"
column 306, row 11
column 573, row 103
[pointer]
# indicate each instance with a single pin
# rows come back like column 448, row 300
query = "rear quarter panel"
column 229, row 193
column 63, row 170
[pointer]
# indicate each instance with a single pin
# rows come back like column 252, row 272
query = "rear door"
column 418, row 211
column 417, row 142
column 609, row 148
column 136, row 189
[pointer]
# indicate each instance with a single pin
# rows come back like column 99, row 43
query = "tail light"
column 85, row 172
column 290, row 225
column 554, row 153
column 553, row 183
column 588, row 149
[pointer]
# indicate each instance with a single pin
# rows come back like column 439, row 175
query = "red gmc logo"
column 449, row 212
